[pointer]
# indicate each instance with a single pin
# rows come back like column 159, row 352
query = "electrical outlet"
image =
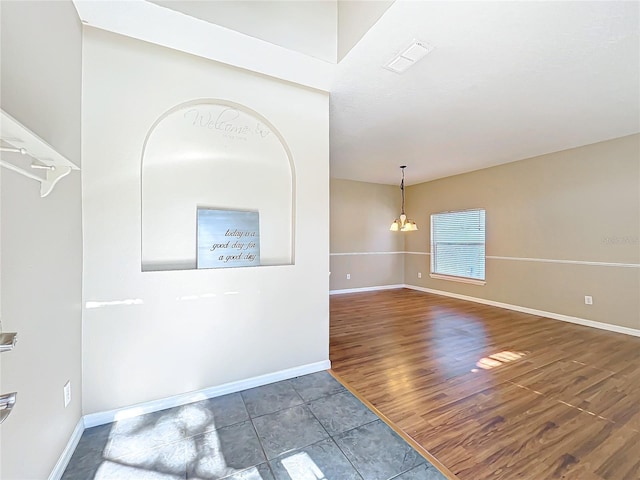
column 588, row 300
column 67, row 393
column 348, row 276
column 419, row 274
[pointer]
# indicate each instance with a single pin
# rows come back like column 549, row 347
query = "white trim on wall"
column 100, row 418
column 532, row 311
column 544, row 260
column 66, row 454
column 572, row 262
column 366, row 289
column 363, row 253
column 452, row 278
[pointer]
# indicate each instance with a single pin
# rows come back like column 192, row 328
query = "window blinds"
column 458, row 244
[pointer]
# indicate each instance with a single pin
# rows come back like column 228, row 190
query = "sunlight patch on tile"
column 116, row 471
column 211, row 463
column 301, row 467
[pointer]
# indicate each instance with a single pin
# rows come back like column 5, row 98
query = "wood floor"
column 493, row 393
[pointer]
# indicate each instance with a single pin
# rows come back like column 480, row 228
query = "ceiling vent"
column 408, row 56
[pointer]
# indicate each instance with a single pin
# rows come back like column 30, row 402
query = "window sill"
column 450, row 278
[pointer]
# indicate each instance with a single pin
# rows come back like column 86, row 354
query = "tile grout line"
column 264, row 453
column 344, row 453
column 331, row 436
column 305, row 404
column 406, row 437
column 275, row 411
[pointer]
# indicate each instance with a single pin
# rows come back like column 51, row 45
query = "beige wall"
column 41, row 239
column 361, row 243
column 578, row 205
column 191, row 329
column 566, row 225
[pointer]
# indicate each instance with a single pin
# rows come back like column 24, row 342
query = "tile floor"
column 306, row 428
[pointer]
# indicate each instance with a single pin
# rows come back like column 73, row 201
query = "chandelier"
column 403, row 224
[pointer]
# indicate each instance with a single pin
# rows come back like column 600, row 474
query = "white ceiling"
column 505, row 81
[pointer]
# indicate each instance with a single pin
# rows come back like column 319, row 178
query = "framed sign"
column 227, row 238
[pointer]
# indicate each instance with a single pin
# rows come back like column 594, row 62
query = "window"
column 457, row 246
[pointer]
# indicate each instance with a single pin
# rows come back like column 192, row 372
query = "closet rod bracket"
column 8, row 341
column 7, row 402
column 22, row 141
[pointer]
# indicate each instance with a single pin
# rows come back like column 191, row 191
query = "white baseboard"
column 366, row 289
column 100, row 418
column 533, row 311
column 63, row 461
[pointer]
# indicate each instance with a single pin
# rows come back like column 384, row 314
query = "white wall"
column 213, row 155
column 41, row 239
column 188, row 330
column 41, row 75
column 161, row 26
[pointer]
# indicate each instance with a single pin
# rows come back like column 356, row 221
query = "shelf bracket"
column 8, row 341
column 23, row 142
column 7, row 402
column 53, row 177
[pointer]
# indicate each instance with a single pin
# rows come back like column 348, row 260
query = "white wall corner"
column 63, row 461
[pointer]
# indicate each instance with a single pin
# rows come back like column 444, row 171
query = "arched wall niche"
column 212, row 153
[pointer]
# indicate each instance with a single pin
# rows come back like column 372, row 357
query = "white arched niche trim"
column 212, row 153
